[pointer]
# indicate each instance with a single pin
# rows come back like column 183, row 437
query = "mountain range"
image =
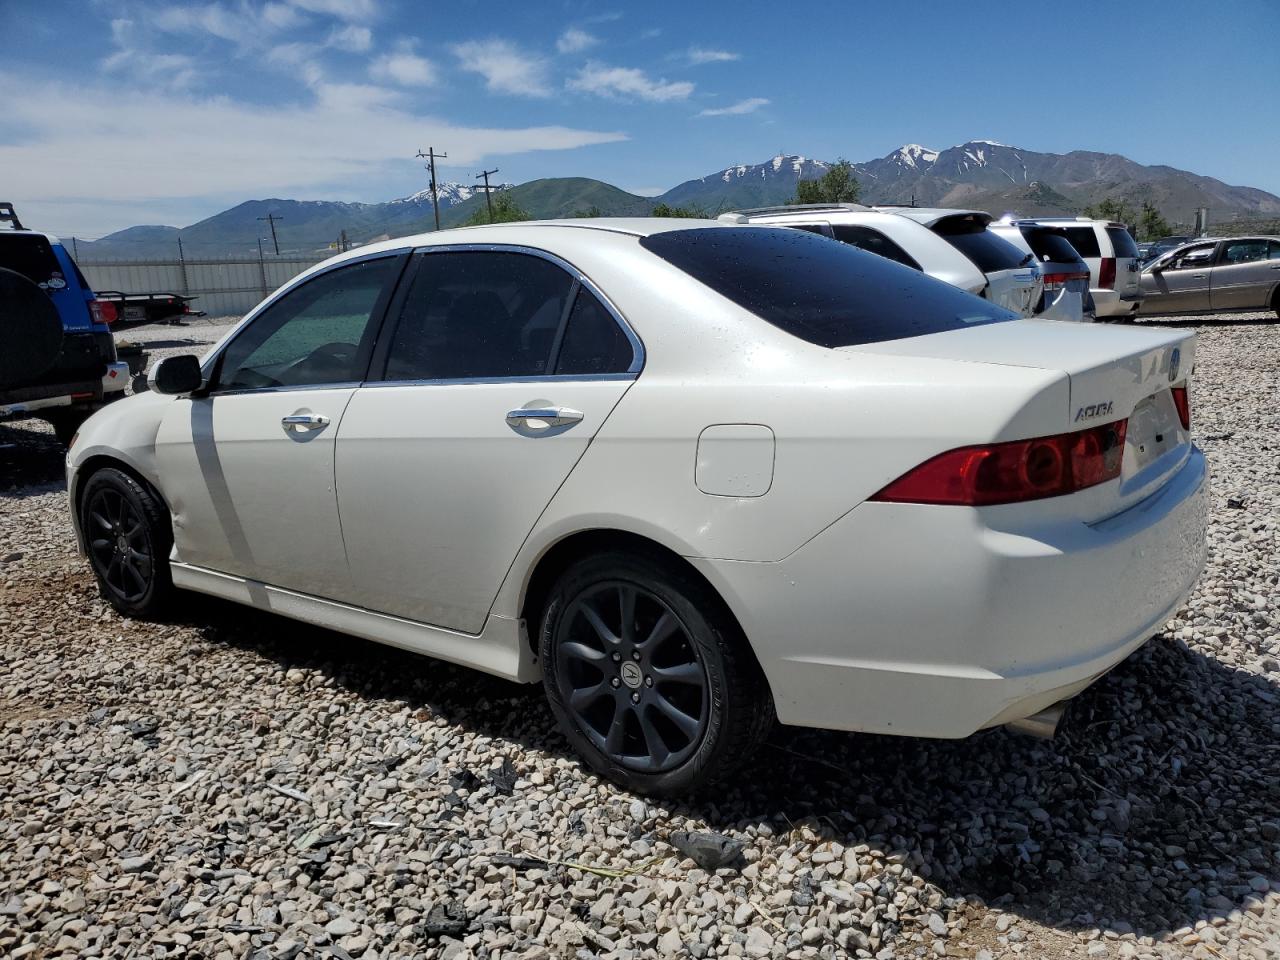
column 979, row 174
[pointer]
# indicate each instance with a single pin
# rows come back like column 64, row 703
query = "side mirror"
column 176, row 376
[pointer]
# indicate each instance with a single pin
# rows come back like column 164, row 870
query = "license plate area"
column 1153, row 430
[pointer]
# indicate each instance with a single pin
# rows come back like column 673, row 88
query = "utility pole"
column 182, row 264
column 343, row 246
column 487, row 198
column 431, row 165
column 271, row 218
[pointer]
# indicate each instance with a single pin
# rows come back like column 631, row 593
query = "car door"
column 1243, row 276
column 247, row 467
column 1181, row 283
column 500, row 368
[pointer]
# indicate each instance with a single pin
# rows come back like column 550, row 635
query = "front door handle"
column 305, row 420
column 554, row 416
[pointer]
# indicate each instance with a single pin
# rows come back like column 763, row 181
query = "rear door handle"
column 555, row 416
column 305, row 420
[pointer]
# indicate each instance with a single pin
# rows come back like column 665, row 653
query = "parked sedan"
column 1220, row 276
column 691, row 476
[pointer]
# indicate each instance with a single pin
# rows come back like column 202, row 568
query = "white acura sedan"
column 692, row 476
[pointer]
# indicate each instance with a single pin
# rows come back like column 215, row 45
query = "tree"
column 505, row 210
column 1112, row 209
column 837, row 185
column 589, row 213
column 666, row 210
column 1152, row 226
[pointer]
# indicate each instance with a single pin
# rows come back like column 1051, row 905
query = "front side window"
column 873, row 241
column 825, row 293
column 1243, row 251
column 317, row 333
column 479, row 314
column 1192, row 258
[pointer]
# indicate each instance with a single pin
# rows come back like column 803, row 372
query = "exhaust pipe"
column 1043, row 724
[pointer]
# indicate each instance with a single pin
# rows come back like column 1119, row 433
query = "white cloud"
column 351, row 38
column 404, row 67
column 750, row 105
column 343, row 140
column 281, row 16
column 171, row 69
column 698, row 55
column 342, row 9
column 627, row 82
column 574, row 40
column 210, row 18
column 505, row 67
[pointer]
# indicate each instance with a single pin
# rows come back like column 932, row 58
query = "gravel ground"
column 236, row 785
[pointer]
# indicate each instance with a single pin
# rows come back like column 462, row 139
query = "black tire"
column 127, row 537
column 624, row 696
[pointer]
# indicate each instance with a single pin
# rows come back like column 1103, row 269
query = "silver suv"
column 1223, row 275
column 1112, row 256
column 898, row 238
column 1013, row 278
column 1064, row 272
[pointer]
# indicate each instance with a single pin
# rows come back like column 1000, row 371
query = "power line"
column 487, row 189
column 431, row 165
column 271, row 218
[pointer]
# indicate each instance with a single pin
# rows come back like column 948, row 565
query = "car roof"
column 791, row 210
column 930, row 215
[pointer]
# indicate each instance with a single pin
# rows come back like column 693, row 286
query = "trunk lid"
column 1115, row 373
column 1017, row 290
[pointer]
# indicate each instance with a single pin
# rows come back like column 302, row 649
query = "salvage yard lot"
column 232, row 784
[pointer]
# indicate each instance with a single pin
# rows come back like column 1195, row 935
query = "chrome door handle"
column 556, row 416
column 1199, row 276
column 305, row 420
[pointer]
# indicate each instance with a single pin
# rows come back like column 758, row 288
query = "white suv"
column 1112, row 256
column 1013, row 276
column 897, row 238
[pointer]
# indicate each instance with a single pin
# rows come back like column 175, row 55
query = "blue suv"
column 57, row 355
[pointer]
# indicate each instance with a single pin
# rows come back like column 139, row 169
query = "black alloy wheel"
column 126, row 534
column 649, row 675
column 634, row 683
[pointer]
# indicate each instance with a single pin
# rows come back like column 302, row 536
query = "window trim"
column 212, row 367
column 376, row 376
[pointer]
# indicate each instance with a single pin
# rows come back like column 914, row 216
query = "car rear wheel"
column 127, row 535
column 648, row 676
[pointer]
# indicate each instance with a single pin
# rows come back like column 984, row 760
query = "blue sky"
column 145, row 111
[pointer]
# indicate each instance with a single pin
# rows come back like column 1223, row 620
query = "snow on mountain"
column 783, row 165
column 450, row 193
column 913, row 155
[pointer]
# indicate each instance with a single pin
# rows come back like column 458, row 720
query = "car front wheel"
column 126, row 533
column 648, row 676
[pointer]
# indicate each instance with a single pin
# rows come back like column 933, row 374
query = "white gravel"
column 236, row 785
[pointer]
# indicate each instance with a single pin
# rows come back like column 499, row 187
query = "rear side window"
column 1243, row 251
column 829, row 294
column 32, row 256
column 873, row 241
column 971, row 237
column 1084, row 240
column 1049, row 245
column 479, row 314
column 1121, row 242
column 593, row 341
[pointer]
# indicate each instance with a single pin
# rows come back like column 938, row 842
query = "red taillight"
column 1182, row 400
column 1107, row 273
column 102, row 311
column 1014, row 471
column 1056, row 281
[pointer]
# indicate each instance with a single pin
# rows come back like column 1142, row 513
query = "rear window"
column 1121, row 242
column 1084, row 240
column 971, row 237
column 1049, row 245
column 873, row 241
column 30, row 255
column 829, row 294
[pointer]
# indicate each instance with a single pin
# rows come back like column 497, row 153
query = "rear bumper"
column 936, row 622
column 1111, row 303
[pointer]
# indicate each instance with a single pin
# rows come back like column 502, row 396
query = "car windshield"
column 829, row 294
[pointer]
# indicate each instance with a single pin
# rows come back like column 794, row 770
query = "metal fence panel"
column 224, row 287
